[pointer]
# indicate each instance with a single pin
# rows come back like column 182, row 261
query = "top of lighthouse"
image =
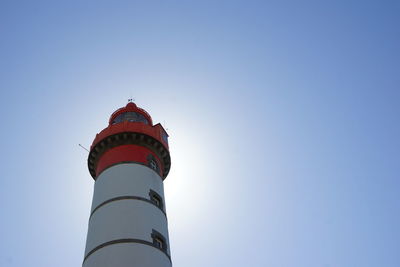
column 130, row 137
column 131, row 113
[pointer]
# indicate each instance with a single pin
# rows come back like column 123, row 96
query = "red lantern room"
column 130, row 137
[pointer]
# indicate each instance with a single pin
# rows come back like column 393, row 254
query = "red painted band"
column 126, row 153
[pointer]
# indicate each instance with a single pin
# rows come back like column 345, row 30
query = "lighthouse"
column 129, row 161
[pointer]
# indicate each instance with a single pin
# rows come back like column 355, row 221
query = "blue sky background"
column 283, row 119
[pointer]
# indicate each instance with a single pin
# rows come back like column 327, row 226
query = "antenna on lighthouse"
column 83, row 147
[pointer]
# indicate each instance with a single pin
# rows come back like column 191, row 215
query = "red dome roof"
column 131, row 107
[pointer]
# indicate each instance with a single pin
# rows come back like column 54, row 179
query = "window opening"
column 159, row 243
column 152, row 163
column 156, row 199
column 159, row 240
column 164, row 137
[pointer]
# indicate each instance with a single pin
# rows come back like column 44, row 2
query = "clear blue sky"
column 283, row 119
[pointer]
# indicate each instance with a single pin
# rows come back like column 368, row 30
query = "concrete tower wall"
column 127, row 179
column 125, row 221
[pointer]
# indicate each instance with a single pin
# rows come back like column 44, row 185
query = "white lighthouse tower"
column 128, row 224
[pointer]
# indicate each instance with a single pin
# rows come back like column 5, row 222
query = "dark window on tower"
column 159, row 243
column 156, row 199
column 152, row 163
column 159, row 240
column 164, row 137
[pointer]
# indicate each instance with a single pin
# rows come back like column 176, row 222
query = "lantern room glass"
column 131, row 117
